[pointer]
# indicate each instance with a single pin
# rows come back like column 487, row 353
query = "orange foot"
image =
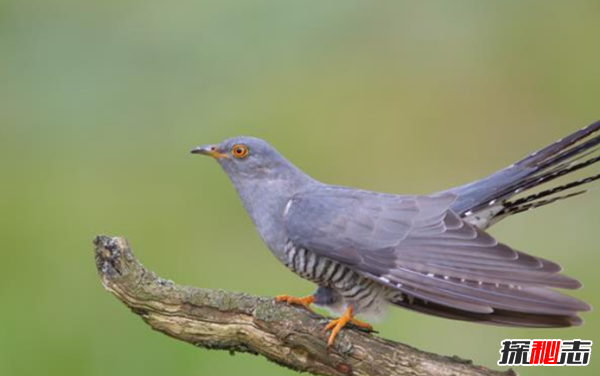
column 304, row 302
column 336, row 325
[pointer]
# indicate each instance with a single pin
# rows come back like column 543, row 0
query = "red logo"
column 545, row 352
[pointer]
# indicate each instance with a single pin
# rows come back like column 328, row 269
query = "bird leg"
column 305, row 301
column 336, row 325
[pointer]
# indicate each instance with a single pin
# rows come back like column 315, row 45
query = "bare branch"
column 289, row 336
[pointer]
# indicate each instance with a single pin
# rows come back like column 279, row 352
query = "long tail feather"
column 498, row 317
column 490, row 199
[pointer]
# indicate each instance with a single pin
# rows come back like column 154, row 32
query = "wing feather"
column 427, row 251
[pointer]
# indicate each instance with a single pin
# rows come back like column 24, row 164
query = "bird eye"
column 239, row 151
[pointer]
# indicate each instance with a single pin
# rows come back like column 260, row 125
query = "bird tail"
column 498, row 317
column 494, row 197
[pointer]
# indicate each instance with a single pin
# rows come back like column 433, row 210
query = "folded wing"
column 445, row 266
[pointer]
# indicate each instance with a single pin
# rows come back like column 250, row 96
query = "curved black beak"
column 199, row 150
column 210, row 150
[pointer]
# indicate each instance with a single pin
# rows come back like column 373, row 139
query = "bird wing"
column 418, row 245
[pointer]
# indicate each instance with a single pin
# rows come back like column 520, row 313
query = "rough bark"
column 286, row 335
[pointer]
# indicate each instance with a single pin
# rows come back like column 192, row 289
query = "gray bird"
column 427, row 253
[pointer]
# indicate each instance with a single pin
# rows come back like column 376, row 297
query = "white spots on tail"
column 465, row 280
column 383, row 279
column 483, row 218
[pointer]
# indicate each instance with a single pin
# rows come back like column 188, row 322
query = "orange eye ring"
column 239, row 151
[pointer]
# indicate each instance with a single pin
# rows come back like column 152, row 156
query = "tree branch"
column 289, row 336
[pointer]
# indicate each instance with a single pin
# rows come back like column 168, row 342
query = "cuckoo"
column 367, row 251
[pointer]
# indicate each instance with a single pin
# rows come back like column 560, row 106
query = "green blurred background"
column 100, row 102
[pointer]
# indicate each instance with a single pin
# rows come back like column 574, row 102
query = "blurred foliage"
column 100, row 102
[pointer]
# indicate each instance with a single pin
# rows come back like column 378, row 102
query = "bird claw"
column 362, row 325
column 336, row 325
column 331, row 325
column 292, row 300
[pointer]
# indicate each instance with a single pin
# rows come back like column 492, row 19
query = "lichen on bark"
column 286, row 335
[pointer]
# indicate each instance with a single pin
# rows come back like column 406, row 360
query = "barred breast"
column 366, row 296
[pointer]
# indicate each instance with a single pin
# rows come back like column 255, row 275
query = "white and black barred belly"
column 366, row 296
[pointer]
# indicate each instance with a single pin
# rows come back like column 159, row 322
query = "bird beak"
column 210, row 150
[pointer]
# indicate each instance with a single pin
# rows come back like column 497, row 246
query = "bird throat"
column 265, row 202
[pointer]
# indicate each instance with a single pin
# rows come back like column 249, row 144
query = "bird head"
column 248, row 158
